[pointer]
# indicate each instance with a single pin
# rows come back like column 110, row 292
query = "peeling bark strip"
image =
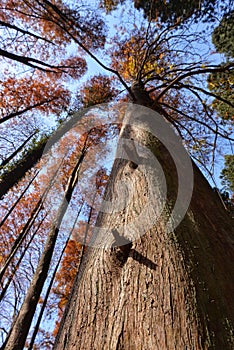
column 175, row 289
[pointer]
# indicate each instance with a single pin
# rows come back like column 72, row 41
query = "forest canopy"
column 60, row 59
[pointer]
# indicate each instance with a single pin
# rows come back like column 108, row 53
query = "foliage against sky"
column 44, row 46
column 222, row 83
column 223, row 35
column 228, row 173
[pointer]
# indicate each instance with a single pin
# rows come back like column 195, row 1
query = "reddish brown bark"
column 165, row 291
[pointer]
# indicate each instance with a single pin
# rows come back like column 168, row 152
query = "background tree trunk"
column 164, row 291
column 20, row 329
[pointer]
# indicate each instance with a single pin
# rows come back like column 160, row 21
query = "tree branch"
column 196, row 72
column 11, row 26
column 196, row 120
column 18, row 113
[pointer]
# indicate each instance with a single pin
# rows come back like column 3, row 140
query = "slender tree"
column 44, row 304
column 22, row 325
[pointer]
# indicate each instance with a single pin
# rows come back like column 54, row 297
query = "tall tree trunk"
column 18, row 150
column 20, row 329
column 14, row 174
column 16, row 266
column 167, row 289
column 43, row 307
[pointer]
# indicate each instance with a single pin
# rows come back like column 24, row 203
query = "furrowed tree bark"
column 165, row 290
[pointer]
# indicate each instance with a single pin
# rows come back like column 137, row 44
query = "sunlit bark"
column 165, row 290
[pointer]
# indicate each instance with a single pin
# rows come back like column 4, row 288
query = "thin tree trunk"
column 18, row 200
column 166, row 289
column 20, row 168
column 25, row 230
column 12, row 176
column 20, row 112
column 21, row 237
column 37, row 326
column 16, row 267
column 8, row 159
column 11, row 277
column 19, row 332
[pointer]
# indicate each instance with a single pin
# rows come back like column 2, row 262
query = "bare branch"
column 196, row 72
column 196, row 120
column 11, row 26
column 18, row 113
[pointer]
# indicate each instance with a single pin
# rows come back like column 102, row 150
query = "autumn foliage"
column 66, row 276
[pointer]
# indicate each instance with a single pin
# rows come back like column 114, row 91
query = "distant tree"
column 223, row 35
column 96, row 90
column 222, row 83
column 174, row 11
column 227, row 174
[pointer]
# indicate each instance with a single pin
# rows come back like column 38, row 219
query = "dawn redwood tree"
column 34, row 43
column 163, row 290
column 146, row 284
column 19, row 331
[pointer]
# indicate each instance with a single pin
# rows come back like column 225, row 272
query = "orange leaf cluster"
column 132, row 54
column 44, row 94
column 101, row 179
column 66, row 276
column 96, row 91
column 74, row 66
